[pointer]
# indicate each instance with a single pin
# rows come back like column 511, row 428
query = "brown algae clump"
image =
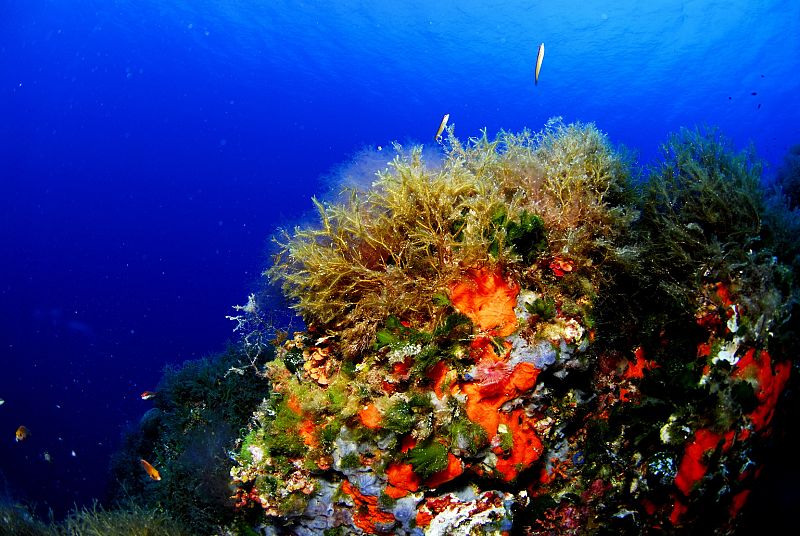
column 509, row 202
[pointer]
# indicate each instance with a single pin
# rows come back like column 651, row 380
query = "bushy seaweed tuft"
column 507, row 202
column 703, row 203
column 201, row 408
column 428, row 459
column 132, row 520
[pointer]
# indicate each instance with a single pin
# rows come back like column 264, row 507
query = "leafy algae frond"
column 389, row 250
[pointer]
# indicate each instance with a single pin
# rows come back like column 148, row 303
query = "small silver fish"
column 539, row 59
column 442, row 126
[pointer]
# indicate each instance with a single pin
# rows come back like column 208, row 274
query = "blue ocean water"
column 149, row 149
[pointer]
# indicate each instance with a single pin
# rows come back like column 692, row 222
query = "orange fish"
column 22, row 433
column 152, row 472
column 147, row 395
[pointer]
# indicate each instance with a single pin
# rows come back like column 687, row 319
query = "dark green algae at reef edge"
column 530, row 337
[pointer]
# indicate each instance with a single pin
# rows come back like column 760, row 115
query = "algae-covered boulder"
column 523, row 338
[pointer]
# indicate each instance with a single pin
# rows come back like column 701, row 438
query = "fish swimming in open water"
column 147, row 395
column 23, row 433
column 442, row 126
column 539, row 59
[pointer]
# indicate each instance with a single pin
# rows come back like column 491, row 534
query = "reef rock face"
column 507, row 342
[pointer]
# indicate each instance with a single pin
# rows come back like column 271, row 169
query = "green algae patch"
column 428, row 459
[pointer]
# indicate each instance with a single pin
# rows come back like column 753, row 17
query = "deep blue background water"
column 148, row 149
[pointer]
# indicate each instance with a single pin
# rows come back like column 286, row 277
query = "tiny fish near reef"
column 151, row 471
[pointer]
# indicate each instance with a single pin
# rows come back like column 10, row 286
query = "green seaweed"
column 702, row 210
column 132, row 520
column 467, row 435
column 453, row 326
column 351, row 460
column 328, row 435
column 527, row 236
column 426, row 359
column 399, row 417
column 506, row 440
column 283, row 438
column 543, row 308
column 440, row 299
column 428, row 459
